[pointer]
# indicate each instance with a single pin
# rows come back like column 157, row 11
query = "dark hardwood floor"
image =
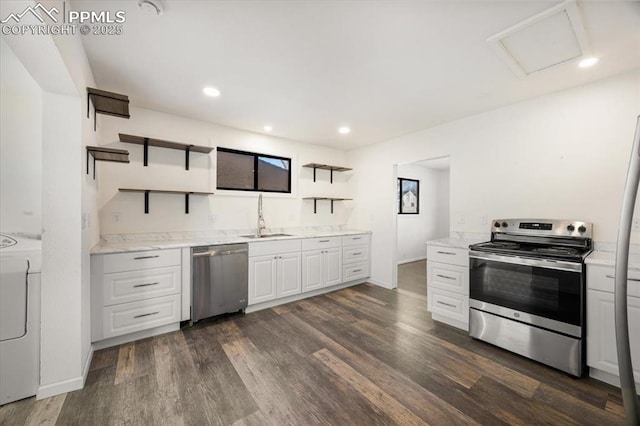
column 413, row 277
column 362, row 355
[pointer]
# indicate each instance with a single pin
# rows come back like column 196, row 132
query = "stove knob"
column 497, row 224
column 571, row 228
column 505, row 224
column 582, row 229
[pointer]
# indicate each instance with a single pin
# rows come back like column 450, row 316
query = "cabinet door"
column 312, row 270
column 289, row 280
column 262, row 279
column 332, row 266
column 601, row 337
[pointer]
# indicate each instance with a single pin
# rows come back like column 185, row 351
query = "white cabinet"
column 321, row 268
column 602, row 356
column 275, row 273
column 355, row 257
column 135, row 291
column 448, row 285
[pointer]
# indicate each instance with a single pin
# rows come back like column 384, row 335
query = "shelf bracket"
column 314, row 174
column 186, row 157
column 186, row 201
column 331, row 206
column 331, row 181
column 315, row 204
column 146, row 152
column 146, row 202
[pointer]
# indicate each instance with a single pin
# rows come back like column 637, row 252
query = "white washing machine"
column 20, row 266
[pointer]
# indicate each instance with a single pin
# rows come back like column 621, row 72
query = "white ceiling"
column 384, row 68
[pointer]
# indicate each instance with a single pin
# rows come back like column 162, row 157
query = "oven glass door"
column 549, row 293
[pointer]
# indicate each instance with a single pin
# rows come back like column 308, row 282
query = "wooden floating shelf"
column 147, row 142
column 106, row 154
column 107, row 103
column 146, row 193
column 332, row 199
column 332, row 169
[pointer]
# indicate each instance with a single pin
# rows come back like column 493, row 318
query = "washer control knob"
column 505, row 224
column 571, row 228
column 497, row 224
column 581, row 229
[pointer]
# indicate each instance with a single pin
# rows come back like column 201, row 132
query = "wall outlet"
column 462, row 219
column 484, row 219
column 212, row 218
column 635, row 224
column 115, row 217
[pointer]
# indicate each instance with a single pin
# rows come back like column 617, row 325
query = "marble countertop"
column 462, row 243
column 608, row 258
column 168, row 241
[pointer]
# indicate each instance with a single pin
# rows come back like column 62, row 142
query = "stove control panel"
column 543, row 227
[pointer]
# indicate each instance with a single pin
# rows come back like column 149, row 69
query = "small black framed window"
column 408, row 196
column 251, row 171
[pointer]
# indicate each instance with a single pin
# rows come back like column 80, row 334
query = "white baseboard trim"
column 87, row 364
column 119, row 340
column 277, row 302
column 609, row 378
column 381, row 284
column 58, row 388
column 415, row 259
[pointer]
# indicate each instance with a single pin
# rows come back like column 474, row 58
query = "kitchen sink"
column 266, row 235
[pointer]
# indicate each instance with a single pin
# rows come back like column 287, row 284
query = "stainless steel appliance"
column 527, row 290
column 219, row 280
column 627, row 382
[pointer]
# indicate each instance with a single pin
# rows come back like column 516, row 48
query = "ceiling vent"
column 547, row 39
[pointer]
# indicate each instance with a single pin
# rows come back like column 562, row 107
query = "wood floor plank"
column 385, row 402
column 46, row 412
column 166, row 377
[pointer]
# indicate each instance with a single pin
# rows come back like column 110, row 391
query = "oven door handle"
column 525, row 261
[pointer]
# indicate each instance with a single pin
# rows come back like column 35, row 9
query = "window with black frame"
column 408, row 196
column 250, row 171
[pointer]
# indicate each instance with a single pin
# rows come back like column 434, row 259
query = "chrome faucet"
column 261, row 225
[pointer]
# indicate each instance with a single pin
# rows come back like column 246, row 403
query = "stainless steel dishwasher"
column 219, row 280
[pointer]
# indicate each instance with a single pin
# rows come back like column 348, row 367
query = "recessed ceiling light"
column 344, row 130
column 588, row 62
column 211, row 91
column 268, row 128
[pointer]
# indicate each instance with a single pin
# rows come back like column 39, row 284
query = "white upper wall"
column 561, row 156
column 21, row 146
column 124, row 212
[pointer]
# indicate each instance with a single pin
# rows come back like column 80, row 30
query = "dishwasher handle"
column 212, row 253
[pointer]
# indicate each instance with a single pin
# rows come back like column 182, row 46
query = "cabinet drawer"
column 355, row 271
column 448, row 277
column 121, row 262
column 264, row 248
column 601, row 278
column 321, row 243
column 354, row 240
column 352, row 254
column 122, row 287
column 448, row 304
column 136, row 316
column 450, row 255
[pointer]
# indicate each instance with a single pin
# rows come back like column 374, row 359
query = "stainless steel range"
column 527, row 290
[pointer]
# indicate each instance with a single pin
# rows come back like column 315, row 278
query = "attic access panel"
column 547, row 39
column 107, row 103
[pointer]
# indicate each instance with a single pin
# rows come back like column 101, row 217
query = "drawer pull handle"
column 445, row 276
column 356, row 270
column 146, row 257
column 446, row 252
column 628, row 279
column 146, row 315
column 145, row 285
column 357, row 254
column 447, row 304
column 323, row 241
column 356, row 238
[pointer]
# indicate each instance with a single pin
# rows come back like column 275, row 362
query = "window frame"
column 256, row 160
column 400, row 181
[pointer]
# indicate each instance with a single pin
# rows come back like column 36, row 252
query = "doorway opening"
column 422, row 215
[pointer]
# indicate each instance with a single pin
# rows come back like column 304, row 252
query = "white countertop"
column 608, row 258
column 462, row 243
column 165, row 242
